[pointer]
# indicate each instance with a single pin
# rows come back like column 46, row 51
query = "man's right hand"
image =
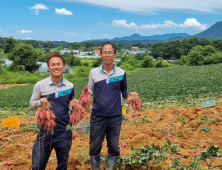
column 43, row 100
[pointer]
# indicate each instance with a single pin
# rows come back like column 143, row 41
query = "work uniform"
column 59, row 97
column 106, row 117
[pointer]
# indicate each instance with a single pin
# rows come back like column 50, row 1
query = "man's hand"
column 43, row 100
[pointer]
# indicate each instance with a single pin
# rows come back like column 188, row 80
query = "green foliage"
column 72, row 60
column 49, row 44
column 140, row 56
column 147, row 62
column 203, row 42
column 130, row 63
column 203, row 128
column 2, row 54
column 148, row 156
column 161, row 64
column 42, row 57
column 208, row 50
column 195, row 58
column 97, row 62
column 171, row 49
column 16, row 97
column 9, row 44
column 176, row 83
column 126, row 67
column 199, row 55
column 157, row 50
column 29, row 128
column 211, row 152
column 25, row 55
column 82, row 71
column 217, row 44
column 185, row 85
column 34, row 43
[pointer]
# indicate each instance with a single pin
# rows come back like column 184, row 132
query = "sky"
column 81, row 20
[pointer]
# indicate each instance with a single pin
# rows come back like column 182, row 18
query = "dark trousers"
column 60, row 141
column 99, row 128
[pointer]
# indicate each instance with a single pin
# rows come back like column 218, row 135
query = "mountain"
column 153, row 37
column 214, row 32
column 136, row 38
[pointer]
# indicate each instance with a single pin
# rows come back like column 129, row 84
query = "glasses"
column 109, row 53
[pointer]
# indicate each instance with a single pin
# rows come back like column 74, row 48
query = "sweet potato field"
column 171, row 131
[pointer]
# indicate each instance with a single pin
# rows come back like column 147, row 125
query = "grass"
column 2, row 55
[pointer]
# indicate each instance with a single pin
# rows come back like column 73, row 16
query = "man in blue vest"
column 58, row 92
column 107, row 83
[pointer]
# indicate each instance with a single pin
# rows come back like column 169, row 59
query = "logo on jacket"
column 65, row 92
column 116, row 78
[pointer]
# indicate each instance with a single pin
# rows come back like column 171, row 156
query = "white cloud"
column 29, row 38
column 101, row 23
column 24, row 31
column 38, row 7
column 189, row 23
column 167, row 24
column 123, row 24
column 193, row 23
column 154, row 6
column 63, row 11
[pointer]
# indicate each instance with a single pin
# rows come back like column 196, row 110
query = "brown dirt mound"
column 194, row 130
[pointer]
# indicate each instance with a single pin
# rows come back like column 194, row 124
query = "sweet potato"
column 134, row 101
column 78, row 112
column 85, row 98
column 45, row 117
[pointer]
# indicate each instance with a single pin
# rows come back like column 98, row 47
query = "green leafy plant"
column 151, row 156
column 203, row 128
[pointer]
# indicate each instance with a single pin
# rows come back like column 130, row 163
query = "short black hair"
column 54, row 54
column 108, row 42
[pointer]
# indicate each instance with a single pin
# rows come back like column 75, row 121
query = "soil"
column 5, row 86
column 182, row 126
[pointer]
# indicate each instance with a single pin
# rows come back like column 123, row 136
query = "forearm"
column 34, row 104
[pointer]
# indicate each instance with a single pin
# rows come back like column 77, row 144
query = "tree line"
column 189, row 51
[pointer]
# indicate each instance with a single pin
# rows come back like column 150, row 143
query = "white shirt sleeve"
column 34, row 102
column 91, row 84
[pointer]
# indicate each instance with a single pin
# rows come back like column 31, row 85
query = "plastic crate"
column 11, row 122
column 208, row 103
column 124, row 110
column 83, row 128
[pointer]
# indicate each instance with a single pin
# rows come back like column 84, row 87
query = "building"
column 135, row 48
column 44, row 68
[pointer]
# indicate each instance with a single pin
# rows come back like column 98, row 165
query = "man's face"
column 56, row 67
column 108, row 54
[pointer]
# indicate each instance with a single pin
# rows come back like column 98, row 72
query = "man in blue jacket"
column 108, row 85
column 58, row 92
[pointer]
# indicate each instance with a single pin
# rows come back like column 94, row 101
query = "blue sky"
column 80, row 20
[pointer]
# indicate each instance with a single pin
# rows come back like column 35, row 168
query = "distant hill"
column 153, row 37
column 214, row 32
column 136, row 38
